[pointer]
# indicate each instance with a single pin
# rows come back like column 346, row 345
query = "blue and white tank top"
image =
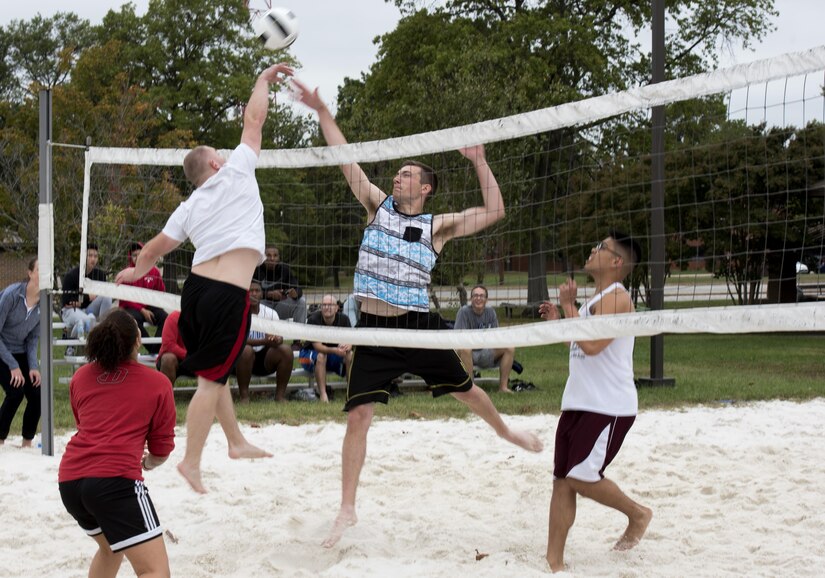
column 396, row 258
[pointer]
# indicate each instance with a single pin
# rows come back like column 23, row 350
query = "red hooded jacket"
column 152, row 280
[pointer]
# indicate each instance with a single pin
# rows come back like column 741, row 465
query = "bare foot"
column 505, row 390
column 26, row 444
column 247, row 451
column 635, row 530
column 524, row 439
column 193, row 476
column 556, row 566
column 243, row 401
column 346, row 518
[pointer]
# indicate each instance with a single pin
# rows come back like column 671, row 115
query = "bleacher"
column 261, row 384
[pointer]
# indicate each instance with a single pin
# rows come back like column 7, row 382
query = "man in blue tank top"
column 398, row 252
column 599, row 403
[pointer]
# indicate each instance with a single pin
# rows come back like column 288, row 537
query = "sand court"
column 736, row 490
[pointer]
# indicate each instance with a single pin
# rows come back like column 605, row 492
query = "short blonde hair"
column 196, row 164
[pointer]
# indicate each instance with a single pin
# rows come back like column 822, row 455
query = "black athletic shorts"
column 373, row 368
column 259, row 365
column 118, row 508
column 214, row 323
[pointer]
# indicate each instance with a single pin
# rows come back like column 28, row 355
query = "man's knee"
column 360, row 416
column 169, row 364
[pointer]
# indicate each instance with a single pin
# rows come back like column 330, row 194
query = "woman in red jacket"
column 120, row 407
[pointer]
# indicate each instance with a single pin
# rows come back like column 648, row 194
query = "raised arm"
column 159, row 246
column 367, row 194
column 474, row 219
column 610, row 304
column 257, row 108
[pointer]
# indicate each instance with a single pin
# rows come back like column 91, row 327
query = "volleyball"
column 277, row 28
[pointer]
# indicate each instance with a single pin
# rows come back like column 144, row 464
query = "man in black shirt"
column 317, row 357
column 281, row 290
column 81, row 311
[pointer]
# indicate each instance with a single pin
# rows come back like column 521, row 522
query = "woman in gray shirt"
column 19, row 372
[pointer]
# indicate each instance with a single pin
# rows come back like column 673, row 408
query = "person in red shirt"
column 172, row 349
column 120, row 407
column 141, row 312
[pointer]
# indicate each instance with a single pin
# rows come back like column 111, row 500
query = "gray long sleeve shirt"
column 19, row 326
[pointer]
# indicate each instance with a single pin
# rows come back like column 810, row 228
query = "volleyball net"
column 744, row 210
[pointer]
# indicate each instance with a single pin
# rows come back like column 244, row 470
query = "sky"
column 336, row 36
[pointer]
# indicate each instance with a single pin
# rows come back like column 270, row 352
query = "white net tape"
column 744, row 319
column 569, row 114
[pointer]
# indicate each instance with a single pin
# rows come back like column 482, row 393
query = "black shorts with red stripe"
column 214, row 324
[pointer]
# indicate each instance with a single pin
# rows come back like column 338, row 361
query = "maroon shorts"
column 587, row 442
column 214, row 323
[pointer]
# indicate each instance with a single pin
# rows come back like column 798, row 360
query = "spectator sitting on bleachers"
column 477, row 315
column 319, row 358
column 172, row 350
column 263, row 354
column 280, row 287
column 78, row 314
column 146, row 313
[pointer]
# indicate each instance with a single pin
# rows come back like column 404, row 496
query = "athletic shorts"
column 484, row 358
column 335, row 363
column 180, row 373
column 259, row 365
column 118, row 508
column 214, row 323
column 587, row 442
column 373, row 368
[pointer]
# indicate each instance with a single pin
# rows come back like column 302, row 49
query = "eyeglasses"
column 601, row 245
column 479, row 295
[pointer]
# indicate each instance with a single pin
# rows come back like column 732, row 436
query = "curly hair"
column 112, row 341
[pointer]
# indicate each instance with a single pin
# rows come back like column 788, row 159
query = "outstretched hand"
column 474, row 153
column 549, row 312
column 271, row 74
column 305, row 95
column 125, row 276
column 567, row 293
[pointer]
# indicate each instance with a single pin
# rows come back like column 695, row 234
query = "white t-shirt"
column 224, row 213
column 264, row 312
column 602, row 383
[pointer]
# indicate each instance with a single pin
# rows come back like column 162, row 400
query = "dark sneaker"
column 517, row 367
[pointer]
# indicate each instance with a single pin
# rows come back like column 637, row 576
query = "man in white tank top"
column 223, row 217
column 599, row 403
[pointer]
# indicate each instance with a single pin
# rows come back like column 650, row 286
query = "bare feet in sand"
column 524, row 439
column 345, row 519
column 193, row 476
column 247, row 451
column 635, row 530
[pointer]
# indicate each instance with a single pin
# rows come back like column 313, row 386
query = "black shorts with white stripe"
column 118, row 508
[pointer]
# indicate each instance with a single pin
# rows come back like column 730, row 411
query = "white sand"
column 736, row 491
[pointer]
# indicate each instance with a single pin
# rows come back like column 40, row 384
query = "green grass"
column 708, row 369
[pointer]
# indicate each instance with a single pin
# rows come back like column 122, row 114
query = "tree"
column 471, row 60
column 43, row 51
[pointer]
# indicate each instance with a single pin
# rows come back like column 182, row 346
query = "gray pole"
column 46, row 388
column 657, row 202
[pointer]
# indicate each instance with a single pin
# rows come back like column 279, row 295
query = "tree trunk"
column 782, row 277
column 537, row 272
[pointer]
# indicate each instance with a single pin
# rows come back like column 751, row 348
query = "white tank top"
column 602, row 383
